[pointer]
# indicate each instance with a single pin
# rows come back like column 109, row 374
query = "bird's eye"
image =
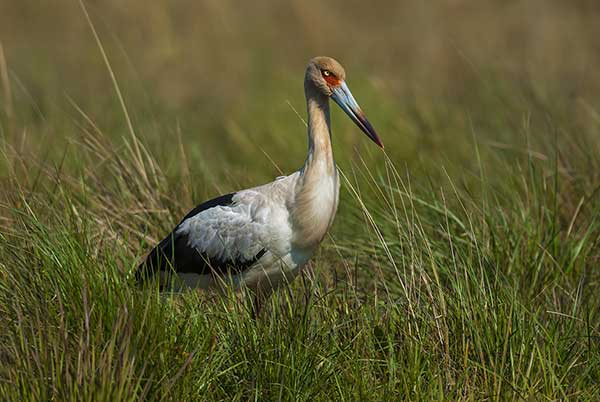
column 326, row 73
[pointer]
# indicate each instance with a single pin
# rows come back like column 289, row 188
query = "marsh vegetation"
column 463, row 263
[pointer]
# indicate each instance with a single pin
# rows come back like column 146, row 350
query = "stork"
column 260, row 238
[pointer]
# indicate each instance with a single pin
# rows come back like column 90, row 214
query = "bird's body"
column 260, row 233
column 261, row 237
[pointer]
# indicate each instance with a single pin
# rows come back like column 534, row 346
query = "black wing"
column 174, row 253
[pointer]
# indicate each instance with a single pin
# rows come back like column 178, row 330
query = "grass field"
column 463, row 263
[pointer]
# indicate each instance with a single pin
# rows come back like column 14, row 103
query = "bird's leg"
column 256, row 306
column 252, row 301
column 258, row 301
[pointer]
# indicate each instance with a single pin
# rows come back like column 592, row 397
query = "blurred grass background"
column 225, row 67
column 463, row 263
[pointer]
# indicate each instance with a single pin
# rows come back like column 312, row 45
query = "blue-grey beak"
column 343, row 97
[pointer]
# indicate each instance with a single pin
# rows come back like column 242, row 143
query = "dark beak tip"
column 342, row 96
column 376, row 138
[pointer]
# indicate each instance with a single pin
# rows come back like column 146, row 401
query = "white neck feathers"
column 317, row 189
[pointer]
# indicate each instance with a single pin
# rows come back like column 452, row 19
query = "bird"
column 261, row 238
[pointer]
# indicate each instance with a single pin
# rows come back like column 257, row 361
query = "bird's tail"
column 148, row 269
column 141, row 273
column 156, row 261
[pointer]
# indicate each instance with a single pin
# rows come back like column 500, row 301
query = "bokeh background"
column 463, row 262
column 223, row 72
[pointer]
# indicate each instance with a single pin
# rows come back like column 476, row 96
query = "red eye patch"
column 333, row 80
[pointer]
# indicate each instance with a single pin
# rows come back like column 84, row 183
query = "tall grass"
column 463, row 263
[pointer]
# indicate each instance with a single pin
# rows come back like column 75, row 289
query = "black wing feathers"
column 223, row 201
column 173, row 252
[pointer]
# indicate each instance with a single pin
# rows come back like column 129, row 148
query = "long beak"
column 343, row 97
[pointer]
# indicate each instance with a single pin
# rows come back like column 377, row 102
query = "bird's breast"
column 313, row 209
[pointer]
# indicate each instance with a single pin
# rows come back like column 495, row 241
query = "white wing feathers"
column 230, row 233
column 257, row 220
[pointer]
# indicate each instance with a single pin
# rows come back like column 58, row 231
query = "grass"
column 463, row 263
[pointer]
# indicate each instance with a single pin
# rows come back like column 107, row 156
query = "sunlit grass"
column 477, row 285
column 463, row 263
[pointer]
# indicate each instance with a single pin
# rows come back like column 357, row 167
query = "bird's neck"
column 320, row 155
column 316, row 196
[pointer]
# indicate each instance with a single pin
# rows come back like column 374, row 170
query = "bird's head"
column 328, row 77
